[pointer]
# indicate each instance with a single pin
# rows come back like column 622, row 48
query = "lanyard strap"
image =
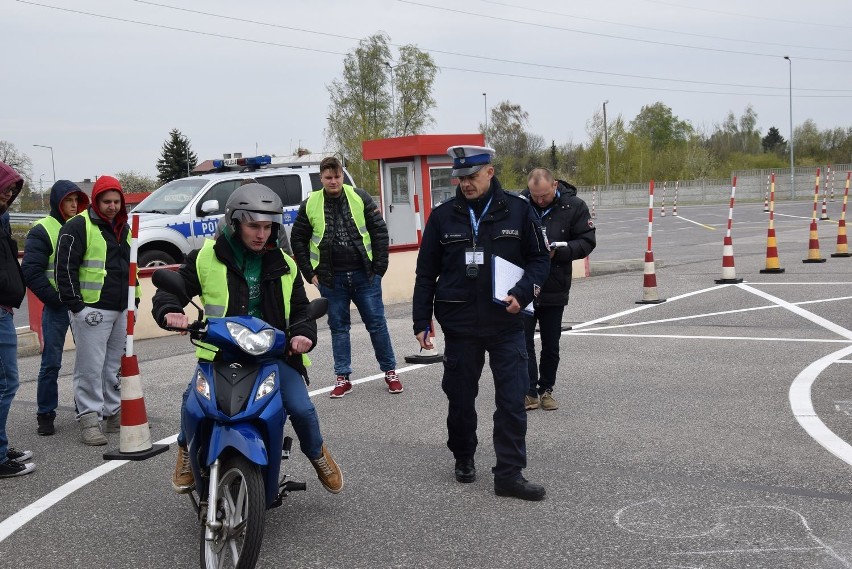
column 545, row 212
column 474, row 223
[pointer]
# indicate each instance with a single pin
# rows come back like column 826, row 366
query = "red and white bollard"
column 649, row 280
column 729, row 273
column 134, row 433
column 674, row 205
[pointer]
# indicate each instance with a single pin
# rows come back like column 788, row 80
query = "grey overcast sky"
column 103, row 81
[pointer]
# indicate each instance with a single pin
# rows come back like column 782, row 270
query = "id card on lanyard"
column 475, row 256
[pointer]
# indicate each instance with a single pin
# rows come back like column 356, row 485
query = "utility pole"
column 606, row 145
column 792, row 164
column 485, row 99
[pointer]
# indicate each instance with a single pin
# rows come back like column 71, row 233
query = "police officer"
column 454, row 278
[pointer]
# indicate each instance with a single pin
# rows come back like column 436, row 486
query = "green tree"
column 362, row 100
column 773, row 141
column 658, row 124
column 517, row 149
column 134, row 182
column 413, row 78
column 176, row 159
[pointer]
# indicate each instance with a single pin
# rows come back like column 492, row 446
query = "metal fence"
column 752, row 186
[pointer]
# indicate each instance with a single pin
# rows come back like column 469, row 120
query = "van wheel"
column 154, row 258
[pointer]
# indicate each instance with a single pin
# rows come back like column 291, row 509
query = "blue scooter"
column 234, row 423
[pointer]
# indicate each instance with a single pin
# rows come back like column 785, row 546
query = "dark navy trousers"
column 464, row 358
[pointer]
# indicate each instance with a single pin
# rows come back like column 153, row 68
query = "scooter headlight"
column 202, row 387
column 266, row 387
column 252, row 343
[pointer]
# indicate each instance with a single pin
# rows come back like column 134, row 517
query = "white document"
column 504, row 276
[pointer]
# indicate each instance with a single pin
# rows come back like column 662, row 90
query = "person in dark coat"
column 66, row 200
column 570, row 235
column 12, row 291
column 462, row 241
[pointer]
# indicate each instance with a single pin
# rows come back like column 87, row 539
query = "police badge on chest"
column 473, row 257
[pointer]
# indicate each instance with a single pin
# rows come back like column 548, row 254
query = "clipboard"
column 504, row 276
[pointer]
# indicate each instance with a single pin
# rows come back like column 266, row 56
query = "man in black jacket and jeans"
column 570, row 235
column 340, row 241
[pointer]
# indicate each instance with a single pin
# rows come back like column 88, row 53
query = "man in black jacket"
column 463, row 238
column 12, row 292
column 340, row 241
column 570, row 235
column 66, row 200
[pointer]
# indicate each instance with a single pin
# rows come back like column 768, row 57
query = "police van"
column 180, row 215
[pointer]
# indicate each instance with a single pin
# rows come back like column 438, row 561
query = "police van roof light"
column 255, row 161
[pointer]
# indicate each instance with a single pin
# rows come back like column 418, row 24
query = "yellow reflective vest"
column 315, row 210
column 51, row 227
column 213, row 278
column 93, row 267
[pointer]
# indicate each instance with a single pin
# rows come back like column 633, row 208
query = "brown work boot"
column 548, row 403
column 328, row 472
column 182, row 480
column 530, row 403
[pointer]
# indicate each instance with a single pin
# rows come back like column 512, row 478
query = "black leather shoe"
column 519, row 488
column 465, row 470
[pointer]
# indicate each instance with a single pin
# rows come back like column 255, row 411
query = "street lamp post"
column 485, row 107
column 51, row 159
column 792, row 166
column 606, row 144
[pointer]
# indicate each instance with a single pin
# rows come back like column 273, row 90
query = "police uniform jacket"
column 568, row 220
column 464, row 305
column 302, row 231
column 271, row 304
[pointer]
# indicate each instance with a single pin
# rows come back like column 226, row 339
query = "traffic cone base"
column 134, row 435
column 728, row 281
column 765, row 271
column 841, row 254
column 813, row 260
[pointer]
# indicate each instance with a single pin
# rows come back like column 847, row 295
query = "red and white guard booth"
column 414, row 176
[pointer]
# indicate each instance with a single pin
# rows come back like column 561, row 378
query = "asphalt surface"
column 676, row 444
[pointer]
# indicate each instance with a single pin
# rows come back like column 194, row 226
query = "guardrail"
column 28, row 218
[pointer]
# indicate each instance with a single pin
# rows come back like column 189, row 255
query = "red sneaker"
column 341, row 387
column 392, row 379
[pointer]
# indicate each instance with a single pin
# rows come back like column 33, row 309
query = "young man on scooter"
column 244, row 271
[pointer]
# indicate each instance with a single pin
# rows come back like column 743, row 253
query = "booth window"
column 442, row 183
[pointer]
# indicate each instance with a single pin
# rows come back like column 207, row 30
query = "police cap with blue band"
column 468, row 160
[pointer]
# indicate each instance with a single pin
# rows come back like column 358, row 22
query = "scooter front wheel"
column 240, row 513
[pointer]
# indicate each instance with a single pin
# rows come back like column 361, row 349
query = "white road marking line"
column 818, row 320
column 691, row 337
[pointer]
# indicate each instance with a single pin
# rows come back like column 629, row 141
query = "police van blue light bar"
column 255, row 161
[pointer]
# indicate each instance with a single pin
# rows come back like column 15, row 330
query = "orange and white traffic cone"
column 649, row 282
column 813, row 241
column 134, row 434
column 729, row 272
column 429, row 356
column 772, row 264
column 813, row 245
column 842, row 247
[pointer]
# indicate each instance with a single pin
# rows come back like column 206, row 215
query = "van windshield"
column 172, row 197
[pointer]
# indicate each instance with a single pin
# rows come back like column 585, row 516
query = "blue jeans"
column 54, row 327
column 366, row 293
column 298, row 405
column 8, row 374
column 543, row 374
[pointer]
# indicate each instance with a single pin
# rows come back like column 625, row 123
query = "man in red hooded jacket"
column 92, row 269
